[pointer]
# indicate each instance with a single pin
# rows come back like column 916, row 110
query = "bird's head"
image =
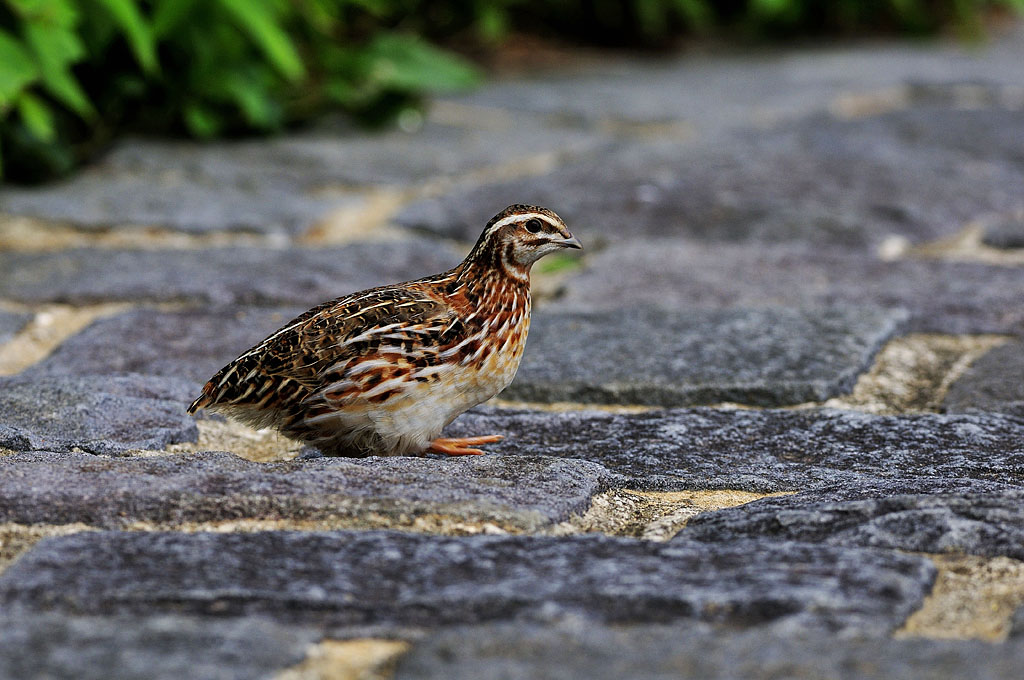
column 520, row 235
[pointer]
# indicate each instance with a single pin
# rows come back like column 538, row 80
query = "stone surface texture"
column 264, row 276
column 769, row 423
column 279, row 187
column 99, row 414
column 524, row 652
column 993, row 383
column 987, row 524
column 941, row 296
column 65, row 488
column 767, row 450
column 11, row 323
column 663, row 358
column 371, row 578
column 143, row 648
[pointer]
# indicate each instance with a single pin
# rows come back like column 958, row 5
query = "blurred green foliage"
column 73, row 73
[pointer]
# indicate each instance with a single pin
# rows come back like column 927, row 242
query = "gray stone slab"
column 1007, row 233
column 740, row 88
column 941, row 296
column 98, row 414
column 523, row 493
column 172, row 199
column 661, row 652
column 995, row 382
column 360, row 578
column 191, row 343
column 769, row 450
column 218, row 275
column 278, row 186
column 767, row 357
column 988, row 524
column 11, row 323
column 146, row 648
column 840, row 183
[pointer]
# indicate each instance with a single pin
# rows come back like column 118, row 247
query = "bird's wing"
column 319, row 345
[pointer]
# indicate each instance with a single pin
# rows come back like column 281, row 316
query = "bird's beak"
column 571, row 242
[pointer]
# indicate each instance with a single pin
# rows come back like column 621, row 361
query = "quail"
column 383, row 371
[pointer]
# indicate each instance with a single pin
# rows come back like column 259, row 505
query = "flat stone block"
column 1006, row 234
column 995, row 382
column 278, row 186
column 146, row 648
column 513, row 492
column 988, row 524
column 769, row 450
column 102, row 198
column 360, row 578
column 694, row 652
column 849, row 184
column 98, row 414
column 762, row 87
column 11, row 323
column 765, row 357
column 941, row 296
column 191, row 343
column 218, row 275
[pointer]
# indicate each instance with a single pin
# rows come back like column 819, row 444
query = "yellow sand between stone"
column 364, row 659
column 973, row 598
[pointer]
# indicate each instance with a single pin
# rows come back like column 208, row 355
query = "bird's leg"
column 457, row 446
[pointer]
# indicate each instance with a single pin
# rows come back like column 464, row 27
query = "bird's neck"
column 490, row 285
column 491, row 257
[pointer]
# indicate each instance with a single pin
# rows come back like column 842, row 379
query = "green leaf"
column 491, row 21
column 38, row 118
column 771, row 7
column 169, row 15
column 55, row 50
column 140, row 37
column 696, row 13
column 201, row 121
column 558, row 263
column 17, row 69
column 56, row 12
column 404, row 62
column 257, row 106
column 257, row 19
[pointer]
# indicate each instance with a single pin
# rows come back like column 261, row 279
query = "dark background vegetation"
column 75, row 73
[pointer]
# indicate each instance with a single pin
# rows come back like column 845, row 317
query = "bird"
column 382, row 371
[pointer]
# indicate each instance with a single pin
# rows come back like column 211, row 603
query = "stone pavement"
column 769, row 425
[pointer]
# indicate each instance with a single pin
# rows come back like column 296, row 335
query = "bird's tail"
column 205, row 399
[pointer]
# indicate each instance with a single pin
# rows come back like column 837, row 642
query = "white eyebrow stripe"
column 521, row 216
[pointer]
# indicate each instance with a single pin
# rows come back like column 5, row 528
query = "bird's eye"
column 533, row 226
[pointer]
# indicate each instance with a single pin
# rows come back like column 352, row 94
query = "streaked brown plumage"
column 382, row 371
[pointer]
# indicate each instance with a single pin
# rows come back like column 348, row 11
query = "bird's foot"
column 459, row 446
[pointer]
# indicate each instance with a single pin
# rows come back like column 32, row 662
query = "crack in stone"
column 912, row 373
column 426, row 523
column 361, row 659
column 967, row 245
column 651, row 515
column 972, row 598
column 366, row 220
column 52, row 325
column 37, row 235
column 259, row 446
column 17, row 539
column 854, row 105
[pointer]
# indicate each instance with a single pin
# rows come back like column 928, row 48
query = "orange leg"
column 458, row 445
